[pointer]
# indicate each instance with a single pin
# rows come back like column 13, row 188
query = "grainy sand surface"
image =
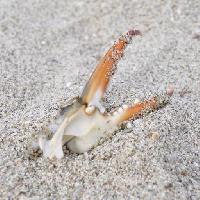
column 48, row 50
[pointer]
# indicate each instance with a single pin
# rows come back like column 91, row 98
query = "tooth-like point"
column 137, row 101
column 90, row 110
column 115, row 113
column 120, row 110
column 125, row 107
column 128, row 125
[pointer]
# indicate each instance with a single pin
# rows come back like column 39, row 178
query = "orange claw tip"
column 130, row 34
column 133, row 32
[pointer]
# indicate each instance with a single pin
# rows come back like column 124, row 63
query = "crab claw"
column 140, row 109
column 98, row 82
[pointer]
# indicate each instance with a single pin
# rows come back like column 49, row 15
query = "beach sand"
column 48, row 50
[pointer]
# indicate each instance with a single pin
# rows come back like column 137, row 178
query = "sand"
column 49, row 48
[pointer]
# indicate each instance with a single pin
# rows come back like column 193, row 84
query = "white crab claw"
column 51, row 149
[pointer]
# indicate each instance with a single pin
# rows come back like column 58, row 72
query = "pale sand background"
column 47, row 51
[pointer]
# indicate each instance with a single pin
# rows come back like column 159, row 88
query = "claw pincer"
column 83, row 123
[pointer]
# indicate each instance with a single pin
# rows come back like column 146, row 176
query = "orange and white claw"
column 98, row 82
column 140, row 109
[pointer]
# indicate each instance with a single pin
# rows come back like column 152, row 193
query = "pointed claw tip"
column 133, row 32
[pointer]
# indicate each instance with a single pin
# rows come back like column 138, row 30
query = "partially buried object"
column 84, row 122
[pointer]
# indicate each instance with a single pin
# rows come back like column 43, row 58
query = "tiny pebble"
column 129, row 125
column 154, row 136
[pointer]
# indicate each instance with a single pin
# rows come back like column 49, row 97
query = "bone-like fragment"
column 53, row 148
